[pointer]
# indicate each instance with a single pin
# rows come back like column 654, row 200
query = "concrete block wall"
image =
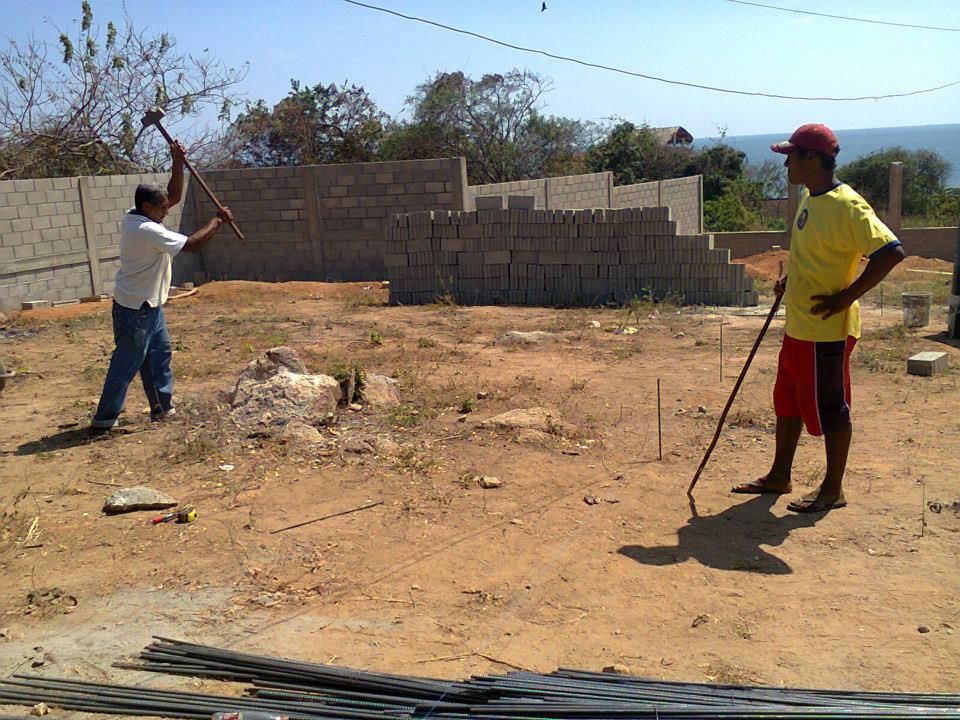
column 318, row 222
column 557, row 257
column 269, row 208
column 105, row 200
column 536, row 188
column 639, row 195
column 357, row 202
column 59, row 237
column 684, row 197
column 43, row 254
column 579, row 191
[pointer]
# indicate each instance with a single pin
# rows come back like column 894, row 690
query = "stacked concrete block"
column 683, row 196
column 557, row 257
column 356, row 203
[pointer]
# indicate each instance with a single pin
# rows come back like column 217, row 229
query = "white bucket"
column 916, row 309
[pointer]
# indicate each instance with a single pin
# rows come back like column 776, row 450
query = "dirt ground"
column 446, row 578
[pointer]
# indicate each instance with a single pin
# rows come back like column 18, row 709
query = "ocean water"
column 942, row 139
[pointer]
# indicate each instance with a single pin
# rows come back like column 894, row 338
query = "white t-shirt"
column 146, row 253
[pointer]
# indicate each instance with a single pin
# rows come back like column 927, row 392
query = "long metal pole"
column 733, row 395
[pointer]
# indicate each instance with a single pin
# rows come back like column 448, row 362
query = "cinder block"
column 521, row 202
column 34, row 304
column 928, row 363
column 490, row 202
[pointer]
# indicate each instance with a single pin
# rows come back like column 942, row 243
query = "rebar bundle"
column 313, row 691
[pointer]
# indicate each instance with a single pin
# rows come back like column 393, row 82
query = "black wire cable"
column 845, row 17
column 644, row 75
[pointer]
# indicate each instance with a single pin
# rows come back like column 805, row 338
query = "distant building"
column 675, row 135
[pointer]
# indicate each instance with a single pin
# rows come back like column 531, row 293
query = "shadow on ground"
column 66, row 439
column 729, row 540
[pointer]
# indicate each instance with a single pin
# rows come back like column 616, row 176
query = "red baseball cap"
column 812, row 136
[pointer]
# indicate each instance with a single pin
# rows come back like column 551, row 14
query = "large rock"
column 268, row 365
column 537, row 337
column 535, row 418
column 298, row 432
column 139, row 497
column 380, row 391
column 284, row 397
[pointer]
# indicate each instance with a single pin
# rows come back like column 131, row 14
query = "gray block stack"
column 557, row 257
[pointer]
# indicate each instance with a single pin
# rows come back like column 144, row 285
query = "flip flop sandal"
column 757, row 487
column 805, row 505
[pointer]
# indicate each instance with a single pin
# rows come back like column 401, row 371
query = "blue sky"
column 711, row 42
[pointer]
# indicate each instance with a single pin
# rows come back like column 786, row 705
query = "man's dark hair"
column 827, row 162
column 153, row 194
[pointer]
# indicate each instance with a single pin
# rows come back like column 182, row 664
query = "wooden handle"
column 733, row 395
column 196, row 176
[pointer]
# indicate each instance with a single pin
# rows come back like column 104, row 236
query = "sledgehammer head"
column 153, row 116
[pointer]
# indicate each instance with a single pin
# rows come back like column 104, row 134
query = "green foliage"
column 634, row 155
column 342, row 372
column 943, row 208
column 311, row 125
column 719, row 164
column 737, row 208
column 924, row 176
column 494, row 122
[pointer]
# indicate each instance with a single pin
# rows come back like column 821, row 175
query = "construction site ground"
column 446, row 578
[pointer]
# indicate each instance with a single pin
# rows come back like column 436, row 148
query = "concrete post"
column 193, row 191
column 895, row 201
column 700, row 203
column 609, row 189
column 460, row 184
column 311, row 208
column 93, row 252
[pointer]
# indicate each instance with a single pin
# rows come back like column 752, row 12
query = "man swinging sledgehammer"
column 141, row 287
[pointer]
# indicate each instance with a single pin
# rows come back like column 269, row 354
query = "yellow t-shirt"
column 831, row 232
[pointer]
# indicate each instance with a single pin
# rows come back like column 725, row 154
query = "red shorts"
column 813, row 382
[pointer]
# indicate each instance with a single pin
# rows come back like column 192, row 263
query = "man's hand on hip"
column 829, row 305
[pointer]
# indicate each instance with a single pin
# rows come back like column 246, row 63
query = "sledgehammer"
column 153, row 117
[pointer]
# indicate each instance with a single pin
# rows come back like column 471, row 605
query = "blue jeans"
column 142, row 345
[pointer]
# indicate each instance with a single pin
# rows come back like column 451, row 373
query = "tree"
column 635, row 155
column 736, row 209
column 494, row 122
column 310, row 126
column 772, row 176
column 719, row 164
column 76, row 109
column 924, row 175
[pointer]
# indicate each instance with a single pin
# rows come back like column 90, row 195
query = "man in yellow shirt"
column 833, row 229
